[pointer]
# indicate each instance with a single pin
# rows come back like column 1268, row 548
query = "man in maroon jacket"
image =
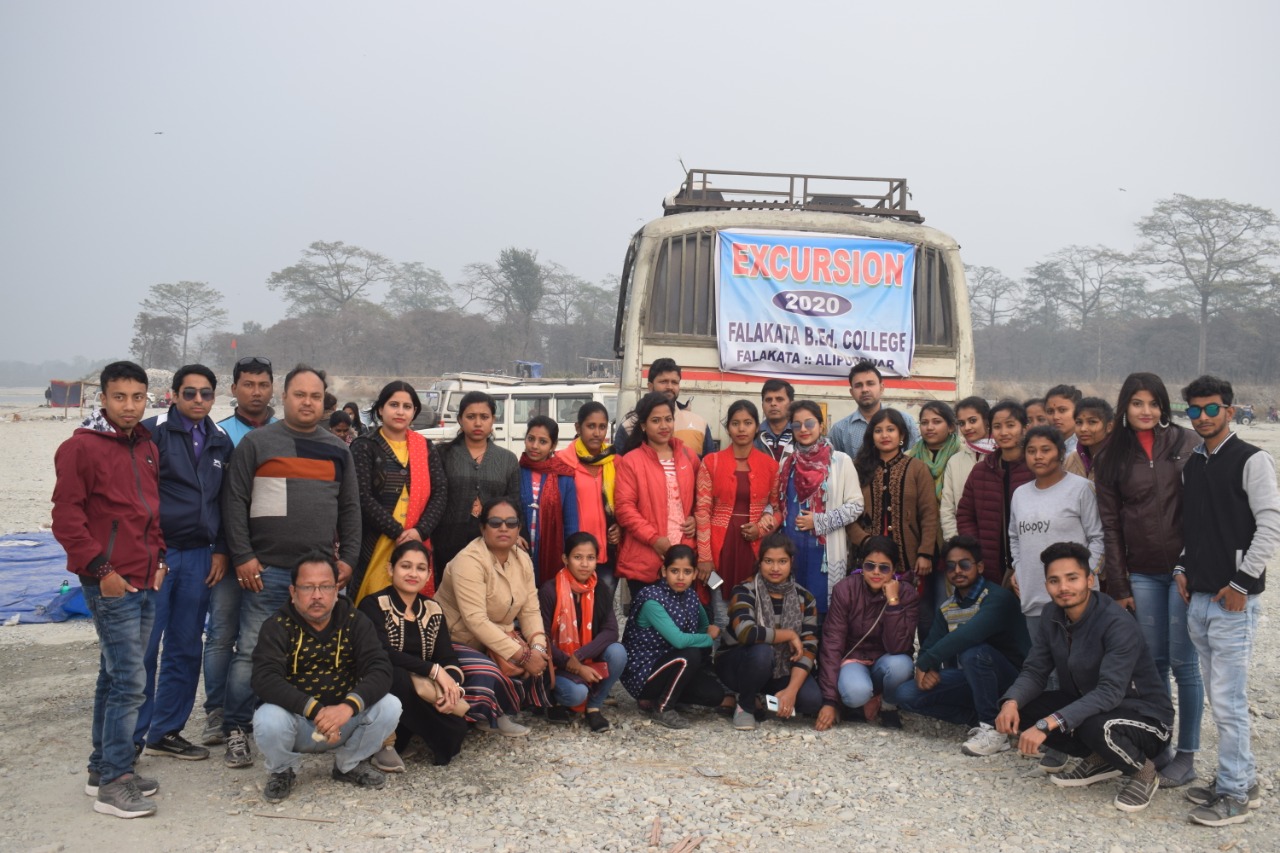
column 106, row 515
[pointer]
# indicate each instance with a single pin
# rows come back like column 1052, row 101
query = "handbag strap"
column 868, row 634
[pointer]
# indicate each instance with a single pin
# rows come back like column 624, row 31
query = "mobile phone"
column 771, row 703
column 714, row 581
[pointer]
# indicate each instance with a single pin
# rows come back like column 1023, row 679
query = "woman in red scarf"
column 549, row 496
column 737, row 489
column 578, row 613
column 402, row 487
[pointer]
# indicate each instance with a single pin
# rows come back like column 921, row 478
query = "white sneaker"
column 510, row 728
column 984, row 740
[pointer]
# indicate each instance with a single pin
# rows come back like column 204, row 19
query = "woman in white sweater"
column 973, row 420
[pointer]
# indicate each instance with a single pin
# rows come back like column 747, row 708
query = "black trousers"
column 1125, row 740
column 684, row 675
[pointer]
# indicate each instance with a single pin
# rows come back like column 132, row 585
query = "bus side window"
column 935, row 315
column 682, row 299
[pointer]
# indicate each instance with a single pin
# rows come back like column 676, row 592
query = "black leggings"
column 1125, row 740
column 683, row 675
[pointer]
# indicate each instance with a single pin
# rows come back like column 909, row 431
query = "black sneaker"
column 559, row 714
column 1052, row 761
column 175, row 745
column 1209, row 793
column 1086, row 772
column 238, row 753
column 597, row 721
column 147, row 787
column 363, row 775
column 1137, row 792
column 890, row 719
column 279, row 786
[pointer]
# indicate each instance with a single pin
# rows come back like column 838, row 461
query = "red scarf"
column 550, row 514
column 811, row 464
column 571, row 631
column 419, row 491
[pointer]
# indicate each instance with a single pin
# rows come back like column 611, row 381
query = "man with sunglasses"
column 1230, row 528
column 975, row 647
column 193, row 458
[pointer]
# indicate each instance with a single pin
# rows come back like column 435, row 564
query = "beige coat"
column 482, row 600
column 953, row 480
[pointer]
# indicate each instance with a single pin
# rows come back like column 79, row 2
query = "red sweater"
column 983, row 512
column 640, row 505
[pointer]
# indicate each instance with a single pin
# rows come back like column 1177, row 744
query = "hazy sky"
column 442, row 133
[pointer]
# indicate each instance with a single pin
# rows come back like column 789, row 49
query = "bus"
column 667, row 304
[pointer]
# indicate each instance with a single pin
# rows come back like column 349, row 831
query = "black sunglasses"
column 1211, row 410
column 962, row 565
column 251, row 360
column 510, row 523
column 190, row 393
column 881, row 568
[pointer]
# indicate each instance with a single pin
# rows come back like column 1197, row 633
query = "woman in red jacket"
column 654, row 492
column 984, row 505
column 736, row 492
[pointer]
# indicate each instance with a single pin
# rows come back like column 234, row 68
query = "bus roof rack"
column 887, row 197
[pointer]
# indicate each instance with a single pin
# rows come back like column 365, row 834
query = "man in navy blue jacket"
column 193, row 457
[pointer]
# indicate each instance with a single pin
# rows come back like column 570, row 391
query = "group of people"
column 1038, row 581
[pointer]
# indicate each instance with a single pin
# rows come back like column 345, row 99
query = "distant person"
column 1111, row 709
column 690, row 427
column 251, row 387
column 291, row 490
column 973, row 421
column 340, row 425
column 1037, row 414
column 1060, row 405
column 1230, row 529
column 1139, row 486
column 193, row 459
column 324, row 681
column 1094, row 418
column 775, row 438
column 866, row 386
column 330, row 404
column 104, row 517
column 357, row 425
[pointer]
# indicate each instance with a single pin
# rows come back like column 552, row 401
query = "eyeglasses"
column 962, row 565
column 509, row 523
column 251, row 360
column 806, row 424
column 189, row 394
column 312, row 589
column 1211, row 410
column 878, row 568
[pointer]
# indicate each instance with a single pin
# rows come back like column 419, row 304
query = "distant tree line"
column 358, row 312
column 1200, row 292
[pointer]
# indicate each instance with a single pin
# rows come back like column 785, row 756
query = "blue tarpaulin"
column 32, row 569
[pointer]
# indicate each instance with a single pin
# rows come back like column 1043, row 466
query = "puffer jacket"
column 983, row 511
column 640, row 502
column 852, row 614
column 1142, row 513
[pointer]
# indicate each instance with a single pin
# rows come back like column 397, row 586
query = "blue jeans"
column 748, row 671
column 858, row 683
column 571, row 694
column 220, row 641
column 284, row 736
column 255, row 608
column 181, row 604
column 1162, row 616
column 1224, row 640
column 966, row 694
column 124, row 627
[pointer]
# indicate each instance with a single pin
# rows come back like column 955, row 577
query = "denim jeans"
column 255, row 608
column 220, row 640
column 1162, row 616
column 571, row 694
column 964, row 694
column 181, row 604
column 124, row 627
column 858, row 683
column 748, row 671
column 1224, row 640
column 284, row 736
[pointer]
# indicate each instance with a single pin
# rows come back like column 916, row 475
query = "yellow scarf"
column 605, row 462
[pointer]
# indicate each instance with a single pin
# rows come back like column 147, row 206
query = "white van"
column 517, row 402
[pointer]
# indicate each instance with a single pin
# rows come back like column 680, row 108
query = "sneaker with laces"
column 121, row 797
column 744, row 721
column 238, row 752
column 363, row 775
column 1137, row 791
column 1221, row 811
column 148, row 787
column 669, row 718
column 279, row 786
column 388, row 760
column 212, row 734
column 1052, row 760
column 1202, row 795
column 175, row 745
column 984, row 740
column 1086, row 772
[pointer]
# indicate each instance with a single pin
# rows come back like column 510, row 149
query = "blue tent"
column 32, row 569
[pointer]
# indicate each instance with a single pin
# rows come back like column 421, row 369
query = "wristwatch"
column 1043, row 725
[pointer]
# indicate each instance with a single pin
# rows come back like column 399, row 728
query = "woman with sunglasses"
column 402, row 487
column 736, row 491
column 867, row 638
column 486, row 589
column 818, row 498
column 1139, row 485
column 476, row 470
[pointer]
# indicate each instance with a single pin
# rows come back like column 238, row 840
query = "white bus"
column 667, row 304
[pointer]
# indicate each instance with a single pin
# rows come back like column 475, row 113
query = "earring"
column 1124, row 419
column 1165, row 424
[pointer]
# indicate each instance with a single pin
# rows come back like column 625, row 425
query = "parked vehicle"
column 517, row 402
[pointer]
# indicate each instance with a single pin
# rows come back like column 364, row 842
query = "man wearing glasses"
column 324, row 681
column 1230, row 528
column 975, row 647
column 193, row 458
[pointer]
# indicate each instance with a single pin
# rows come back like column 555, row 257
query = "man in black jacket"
column 1111, row 709
column 324, row 681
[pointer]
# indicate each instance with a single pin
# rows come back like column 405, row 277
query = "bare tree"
column 512, row 288
column 330, row 276
column 416, row 287
column 154, row 341
column 992, row 295
column 192, row 304
column 1092, row 273
column 1041, row 301
column 1211, row 251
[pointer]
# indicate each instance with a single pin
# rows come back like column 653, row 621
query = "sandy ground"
column 782, row 787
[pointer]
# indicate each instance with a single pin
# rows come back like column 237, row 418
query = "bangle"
column 893, row 601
